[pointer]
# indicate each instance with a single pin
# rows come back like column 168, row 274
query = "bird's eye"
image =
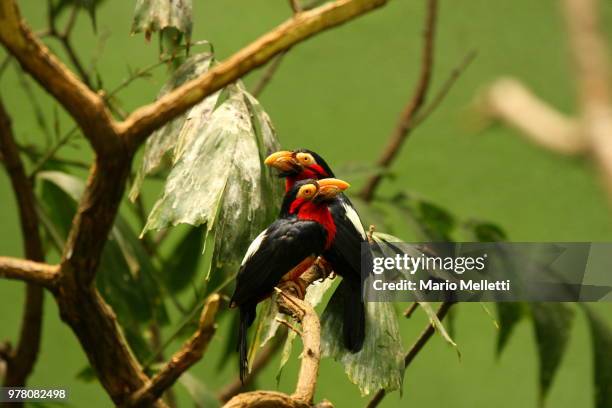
column 307, row 192
column 305, row 158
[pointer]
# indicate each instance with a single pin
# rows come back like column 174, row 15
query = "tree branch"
column 304, row 313
column 29, row 271
column 510, row 101
column 188, row 355
column 591, row 61
column 415, row 349
column 64, row 39
column 261, row 361
column 302, row 26
column 85, row 106
column 405, row 123
column 23, row 358
column 80, row 304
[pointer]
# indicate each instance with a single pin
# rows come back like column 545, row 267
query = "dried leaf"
column 155, row 15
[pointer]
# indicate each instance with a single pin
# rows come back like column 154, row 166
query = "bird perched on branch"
column 344, row 256
column 286, row 249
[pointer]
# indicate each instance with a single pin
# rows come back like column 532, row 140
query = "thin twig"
column 289, row 326
column 24, row 357
column 410, row 310
column 266, row 77
column 49, row 154
column 414, row 350
column 295, row 6
column 406, row 120
column 64, row 39
column 182, row 360
column 445, row 88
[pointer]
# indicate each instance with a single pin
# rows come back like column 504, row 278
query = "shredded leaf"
column 155, row 15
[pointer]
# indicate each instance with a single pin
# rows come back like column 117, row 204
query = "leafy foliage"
column 380, row 363
column 601, row 338
column 128, row 280
column 218, row 178
column 509, row 314
column 552, row 324
column 433, row 318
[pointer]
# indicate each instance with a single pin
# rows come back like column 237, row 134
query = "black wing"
column 345, row 252
column 286, row 243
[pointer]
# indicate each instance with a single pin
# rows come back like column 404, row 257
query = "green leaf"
column 508, row 314
column 218, row 178
column 156, row 15
column 433, row 318
column 165, row 140
column 380, row 363
column 601, row 339
column 127, row 278
column 486, row 231
column 86, row 374
column 552, row 324
column 180, row 268
column 434, row 222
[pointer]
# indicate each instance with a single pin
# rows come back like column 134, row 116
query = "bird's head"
column 300, row 164
column 312, row 193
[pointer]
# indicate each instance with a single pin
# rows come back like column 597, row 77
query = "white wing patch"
column 354, row 218
column 254, row 246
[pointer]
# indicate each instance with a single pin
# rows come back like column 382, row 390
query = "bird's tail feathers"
column 247, row 316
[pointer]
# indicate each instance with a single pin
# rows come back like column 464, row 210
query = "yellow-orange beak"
column 331, row 187
column 282, row 160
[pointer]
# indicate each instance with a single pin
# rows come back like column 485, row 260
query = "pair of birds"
column 316, row 219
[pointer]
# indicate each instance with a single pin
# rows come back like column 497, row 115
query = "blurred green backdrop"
column 340, row 94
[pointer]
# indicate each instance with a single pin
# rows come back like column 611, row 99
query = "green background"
column 340, row 94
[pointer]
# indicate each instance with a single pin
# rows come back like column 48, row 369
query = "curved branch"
column 22, row 360
column 188, row 355
column 407, row 117
column 592, row 65
column 311, row 356
column 29, row 271
column 261, row 361
column 509, row 100
column 302, row 26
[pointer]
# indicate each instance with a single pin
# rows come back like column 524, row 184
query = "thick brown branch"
column 23, row 358
column 29, row 271
column 85, row 106
column 415, row 349
column 407, row 117
column 304, row 25
column 188, row 355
